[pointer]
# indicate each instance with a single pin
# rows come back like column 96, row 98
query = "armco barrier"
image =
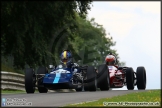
column 15, row 81
column 10, row 80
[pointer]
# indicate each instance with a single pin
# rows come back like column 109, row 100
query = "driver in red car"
column 111, row 60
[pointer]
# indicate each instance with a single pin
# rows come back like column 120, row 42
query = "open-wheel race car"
column 61, row 77
column 110, row 77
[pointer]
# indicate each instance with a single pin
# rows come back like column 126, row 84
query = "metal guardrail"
column 15, row 81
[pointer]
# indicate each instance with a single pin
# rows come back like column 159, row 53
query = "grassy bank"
column 14, row 91
column 148, row 96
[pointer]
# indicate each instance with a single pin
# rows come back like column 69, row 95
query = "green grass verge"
column 148, row 96
column 14, row 91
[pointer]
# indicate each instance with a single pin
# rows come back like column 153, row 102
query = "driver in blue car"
column 66, row 59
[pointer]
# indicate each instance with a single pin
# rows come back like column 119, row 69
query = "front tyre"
column 91, row 79
column 141, row 78
column 130, row 78
column 103, row 77
column 30, row 80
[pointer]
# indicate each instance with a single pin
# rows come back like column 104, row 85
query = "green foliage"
column 26, row 31
column 91, row 42
column 10, row 69
column 122, row 64
column 36, row 36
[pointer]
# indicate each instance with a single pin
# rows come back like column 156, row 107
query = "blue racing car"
column 60, row 77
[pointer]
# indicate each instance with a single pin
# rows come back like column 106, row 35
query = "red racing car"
column 113, row 76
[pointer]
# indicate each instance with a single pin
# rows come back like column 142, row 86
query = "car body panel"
column 58, row 76
column 116, row 77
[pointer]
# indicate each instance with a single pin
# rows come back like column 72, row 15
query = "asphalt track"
column 64, row 98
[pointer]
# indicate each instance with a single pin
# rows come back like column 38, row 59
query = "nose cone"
column 57, row 78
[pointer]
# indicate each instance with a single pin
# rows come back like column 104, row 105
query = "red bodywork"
column 117, row 77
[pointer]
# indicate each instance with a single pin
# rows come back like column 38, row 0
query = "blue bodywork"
column 58, row 77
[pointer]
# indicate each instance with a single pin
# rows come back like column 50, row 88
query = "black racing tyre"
column 86, row 88
column 141, row 78
column 41, row 88
column 91, row 79
column 103, row 77
column 79, row 89
column 130, row 78
column 30, row 80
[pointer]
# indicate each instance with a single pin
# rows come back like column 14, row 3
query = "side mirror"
column 50, row 66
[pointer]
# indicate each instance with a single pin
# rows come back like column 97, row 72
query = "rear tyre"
column 103, row 77
column 130, row 78
column 86, row 88
column 79, row 89
column 141, row 78
column 41, row 88
column 30, row 80
column 91, row 79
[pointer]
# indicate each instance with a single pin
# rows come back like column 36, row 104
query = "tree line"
column 35, row 33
